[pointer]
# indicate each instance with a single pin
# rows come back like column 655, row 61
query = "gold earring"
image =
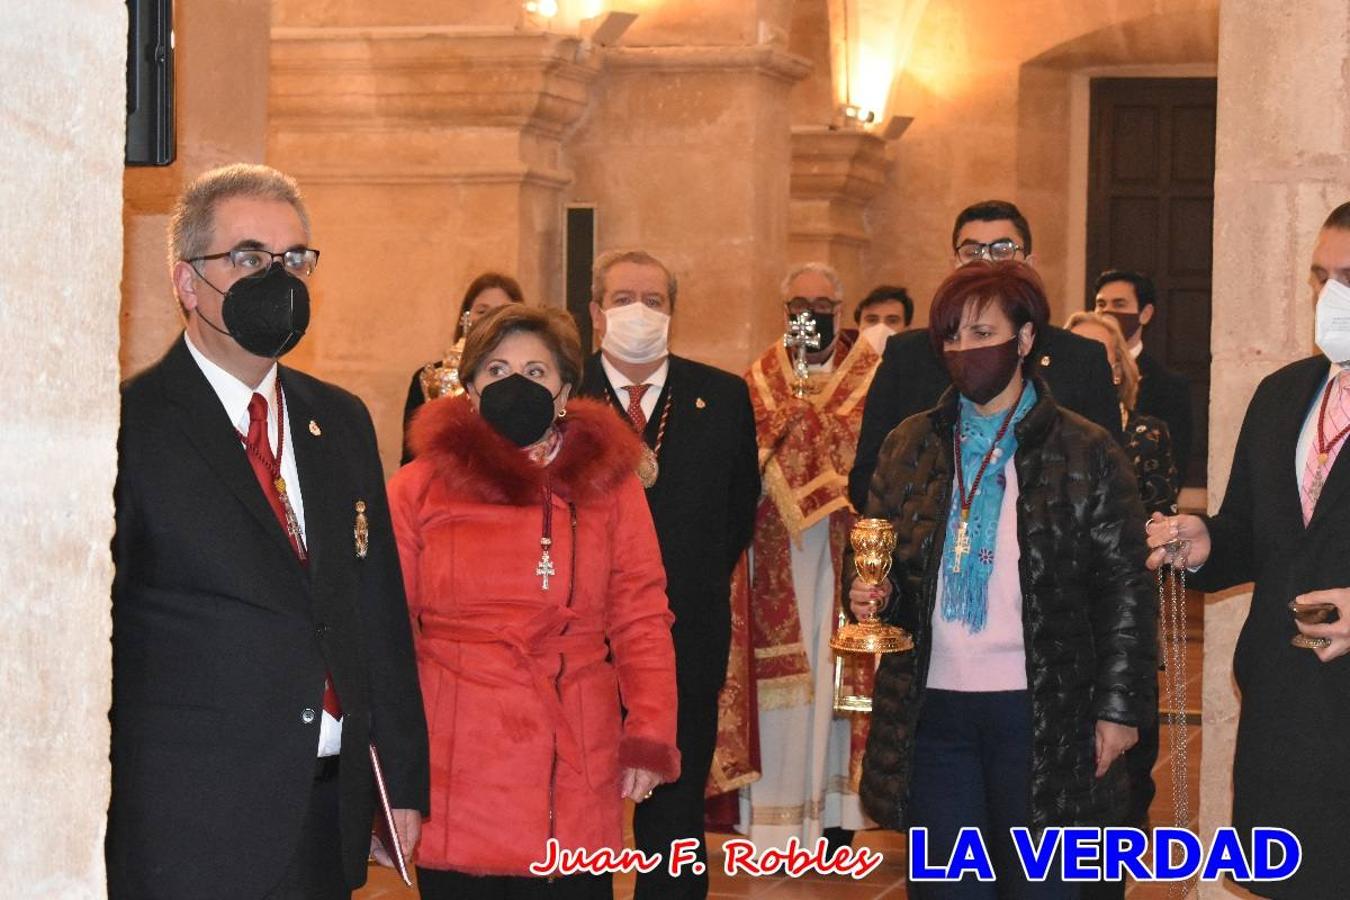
column 562, row 413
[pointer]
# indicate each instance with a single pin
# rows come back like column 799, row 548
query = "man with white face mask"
column 1285, row 525
column 702, row 484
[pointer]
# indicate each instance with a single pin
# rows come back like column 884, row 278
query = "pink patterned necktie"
column 1332, row 429
column 635, row 413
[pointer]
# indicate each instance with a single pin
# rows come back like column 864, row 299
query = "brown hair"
column 1128, row 389
column 612, row 258
column 1014, row 286
column 553, row 326
column 486, row 282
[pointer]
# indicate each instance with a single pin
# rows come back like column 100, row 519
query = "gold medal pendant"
column 647, row 468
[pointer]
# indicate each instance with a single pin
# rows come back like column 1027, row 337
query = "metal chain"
column 1172, row 618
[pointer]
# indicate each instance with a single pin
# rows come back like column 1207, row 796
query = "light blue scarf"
column 965, row 594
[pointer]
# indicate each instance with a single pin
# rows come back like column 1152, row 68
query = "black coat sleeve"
column 1232, row 556
column 1092, row 392
column 745, row 481
column 398, row 723
column 1124, row 606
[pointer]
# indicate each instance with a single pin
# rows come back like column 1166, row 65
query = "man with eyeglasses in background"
column 261, row 640
column 806, row 433
column 911, row 378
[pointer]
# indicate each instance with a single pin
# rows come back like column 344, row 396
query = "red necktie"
column 268, row 472
column 635, row 414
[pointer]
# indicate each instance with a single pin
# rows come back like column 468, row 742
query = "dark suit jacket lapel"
column 204, row 422
column 328, row 522
column 595, row 383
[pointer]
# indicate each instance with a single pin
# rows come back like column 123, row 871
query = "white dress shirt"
column 234, row 396
column 619, row 381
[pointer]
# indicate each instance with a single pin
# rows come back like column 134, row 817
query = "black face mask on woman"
column 519, row 408
column 980, row 373
column 266, row 314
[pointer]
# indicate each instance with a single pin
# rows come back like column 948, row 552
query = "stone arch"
column 1052, row 123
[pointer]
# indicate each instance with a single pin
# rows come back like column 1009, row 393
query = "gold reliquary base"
column 871, row 637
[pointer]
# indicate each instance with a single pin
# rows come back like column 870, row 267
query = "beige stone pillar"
column 62, row 128
column 218, row 120
column 687, row 152
column 1283, row 162
column 427, row 155
column 835, row 175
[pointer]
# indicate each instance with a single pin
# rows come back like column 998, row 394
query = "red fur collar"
column 598, row 450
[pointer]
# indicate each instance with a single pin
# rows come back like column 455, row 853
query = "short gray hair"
column 193, row 218
column 818, row 268
column 612, row 258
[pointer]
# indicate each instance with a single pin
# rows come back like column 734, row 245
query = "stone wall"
column 988, row 89
column 63, row 67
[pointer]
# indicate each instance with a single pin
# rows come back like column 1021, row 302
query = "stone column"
column 1283, row 162
column 63, row 65
column 835, row 175
column 427, row 155
column 687, row 152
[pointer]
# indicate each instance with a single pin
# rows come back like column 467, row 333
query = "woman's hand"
column 1191, row 531
column 638, row 784
column 867, row 601
column 1113, row 739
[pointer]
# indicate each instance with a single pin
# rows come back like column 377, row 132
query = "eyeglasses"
column 1000, row 250
column 298, row 261
column 823, row 305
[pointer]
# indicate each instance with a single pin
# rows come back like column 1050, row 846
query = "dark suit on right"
column 1293, row 736
column 911, row 378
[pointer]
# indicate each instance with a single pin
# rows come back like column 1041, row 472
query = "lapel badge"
column 361, row 532
column 700, row 403
column 1045, row 360
column 314, row 428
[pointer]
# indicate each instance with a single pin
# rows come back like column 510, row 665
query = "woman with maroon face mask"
column 1019, row 569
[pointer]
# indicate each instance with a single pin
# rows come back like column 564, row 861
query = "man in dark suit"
column 261, row 641
column 702, row 481
column 1285, row 524
column 1164, row 394
column 911, row 378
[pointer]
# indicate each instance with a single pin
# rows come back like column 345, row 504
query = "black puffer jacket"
column 1089, row 610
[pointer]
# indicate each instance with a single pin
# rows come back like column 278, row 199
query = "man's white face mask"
column 877, row 335
column 636, row 333
column 1333, row 321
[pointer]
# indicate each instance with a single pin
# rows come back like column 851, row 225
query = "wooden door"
column 1151, row 208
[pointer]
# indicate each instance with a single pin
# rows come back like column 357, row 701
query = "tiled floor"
column 888, row 880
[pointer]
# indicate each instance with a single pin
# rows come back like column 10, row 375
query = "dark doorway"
column 1151, row 208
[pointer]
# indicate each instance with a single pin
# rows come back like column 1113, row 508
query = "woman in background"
column 1147, row 440
column 537, row 594
column 485, row 293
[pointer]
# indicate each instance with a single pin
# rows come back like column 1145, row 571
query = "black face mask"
column 1129, row 323
column 266, row 314
column 519, row 409
column 981, row 372
column 824, row 327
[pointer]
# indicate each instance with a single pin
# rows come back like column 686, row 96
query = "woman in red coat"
column 537, row 594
